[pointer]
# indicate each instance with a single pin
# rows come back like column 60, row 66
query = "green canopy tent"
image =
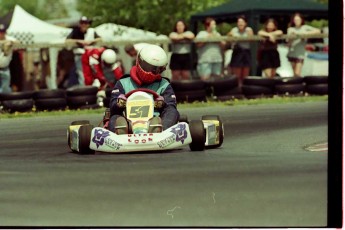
column 257, row 11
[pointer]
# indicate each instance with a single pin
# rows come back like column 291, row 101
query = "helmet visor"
column 147, row 67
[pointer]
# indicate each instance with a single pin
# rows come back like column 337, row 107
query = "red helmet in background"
column 151, row 62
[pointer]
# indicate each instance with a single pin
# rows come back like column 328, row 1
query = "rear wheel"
column 81, row 122
column 183, row 118
column 84, row 139
column 220, row 130
column 197, row 131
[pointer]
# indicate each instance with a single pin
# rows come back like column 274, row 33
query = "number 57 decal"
column 139, row 111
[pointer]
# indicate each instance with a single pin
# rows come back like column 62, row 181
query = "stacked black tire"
column 50, row 99
column 289, row 86
column 316, row 85
column 82, row 97
column 17, row 101
column 226, row 88
column 257, row 87
column 189, row 90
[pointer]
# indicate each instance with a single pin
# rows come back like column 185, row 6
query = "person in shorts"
column 297, row 50
column 181, row 46
column 268, row 55
column 210, row 54
column 241, row 56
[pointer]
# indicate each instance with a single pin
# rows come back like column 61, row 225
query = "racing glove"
column 159, row 102
column 121, row 101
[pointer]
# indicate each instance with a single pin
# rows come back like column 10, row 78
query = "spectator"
column 151, row 62
column 241, row 56
column 210, row 54
column 181, row 59
column 100, row 67
column 268, row 55
column 297, row 51
column 83, row 36
column 132, row 52
column 6, row 52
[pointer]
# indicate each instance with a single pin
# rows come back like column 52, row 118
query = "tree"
column 154, row 15
column 47, row 9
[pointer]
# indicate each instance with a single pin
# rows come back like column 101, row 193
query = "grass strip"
column 209, row 103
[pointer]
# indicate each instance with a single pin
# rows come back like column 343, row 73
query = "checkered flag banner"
column 26, row 38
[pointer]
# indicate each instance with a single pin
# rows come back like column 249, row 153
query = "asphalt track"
column 262, row 176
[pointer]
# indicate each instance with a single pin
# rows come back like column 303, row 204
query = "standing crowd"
column 102, row 67
column 210, row 55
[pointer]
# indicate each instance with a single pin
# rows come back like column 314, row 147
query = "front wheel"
column 84, row 139
column 197, row 132
column 220, row 128
column 69, row 130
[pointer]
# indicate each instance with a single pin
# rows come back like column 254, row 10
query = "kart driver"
column 100, row 67
column 150, row 63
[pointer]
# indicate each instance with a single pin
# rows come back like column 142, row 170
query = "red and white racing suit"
column 93, row 68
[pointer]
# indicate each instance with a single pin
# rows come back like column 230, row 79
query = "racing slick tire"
column 84, row 139
column 80, row 122
column 183, row 118
column 197, row 132
column 220, row 131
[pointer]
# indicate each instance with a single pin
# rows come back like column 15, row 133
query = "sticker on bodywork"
column 180, row 132
column 98, row 137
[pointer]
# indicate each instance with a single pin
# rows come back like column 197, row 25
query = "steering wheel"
column 154, row 94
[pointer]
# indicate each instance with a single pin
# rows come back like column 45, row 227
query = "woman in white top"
column 297, row 46
column 181, row 59
column 210, row 54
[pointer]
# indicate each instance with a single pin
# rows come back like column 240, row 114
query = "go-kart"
column 84, row 138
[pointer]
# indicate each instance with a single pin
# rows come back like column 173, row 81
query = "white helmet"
column 108, row 56
column 151, row 62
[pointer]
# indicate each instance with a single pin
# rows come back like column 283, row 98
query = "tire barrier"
column 17, row 101
column 225, row 88
column 258, row 87
column 190, row 90
column 191, row 95
column 316, row 85
column 259, row 81
column 85, row 97
column 256, row 91
column 18, row 105
column 289, row 85
column 50, row 99
column 317, row 89
column 82, row 97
